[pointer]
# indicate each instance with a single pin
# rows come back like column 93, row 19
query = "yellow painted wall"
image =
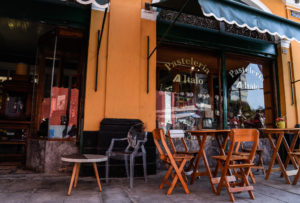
column 95, row 101
column 122, row 92
column 277, row 7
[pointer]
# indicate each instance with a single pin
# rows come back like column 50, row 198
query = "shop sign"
column 187, row 61
column 247, row 86
column 239, row 71
column 187, row 79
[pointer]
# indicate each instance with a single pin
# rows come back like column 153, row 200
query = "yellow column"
column 123, row 64
column 287, row 108
column 295, row 50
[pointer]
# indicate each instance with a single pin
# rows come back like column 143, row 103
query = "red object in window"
column 59, row 102
column 73, row 107
column 160, row 108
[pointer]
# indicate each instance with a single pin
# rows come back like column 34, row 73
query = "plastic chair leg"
column 131, row 170
column 145, row 166
column 126, row 165
column 107, row 170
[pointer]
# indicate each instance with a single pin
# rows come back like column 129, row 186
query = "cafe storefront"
column 188, row 68
column 192, row 68
column 216, row 70
column 190, row 87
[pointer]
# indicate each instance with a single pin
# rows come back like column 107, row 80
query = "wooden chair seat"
column 232, row 158
column 176, row 157
column 188, row 152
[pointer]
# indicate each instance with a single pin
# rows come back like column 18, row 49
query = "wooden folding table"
column 278, row 134
column 201, row 137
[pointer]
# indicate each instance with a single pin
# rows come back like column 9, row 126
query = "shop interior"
column 41, row 80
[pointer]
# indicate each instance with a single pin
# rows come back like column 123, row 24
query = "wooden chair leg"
column 217, row 169
column 246, row 181
column 77, row 175
column 191, row 165
column 97, row 176
column 261, row 162
column 179, row 176
column 298, row 174
column 252, row 177
column 296, row 177
column 72, row 178
column 227, row 185
column 165, row 179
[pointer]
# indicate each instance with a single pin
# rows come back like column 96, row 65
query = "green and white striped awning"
column 233, row 12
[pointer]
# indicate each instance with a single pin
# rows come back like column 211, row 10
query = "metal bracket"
column 161, row 39
column 99, row 38
column 148, row 58
column 292, row 82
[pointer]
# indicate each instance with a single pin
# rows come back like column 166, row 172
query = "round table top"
column 84, row 158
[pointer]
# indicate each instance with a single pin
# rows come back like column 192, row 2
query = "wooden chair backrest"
column 158, row 133
column 159, row 136
column 177, row 134
column 238, row 136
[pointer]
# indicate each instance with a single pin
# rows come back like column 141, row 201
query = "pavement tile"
column 41, row 188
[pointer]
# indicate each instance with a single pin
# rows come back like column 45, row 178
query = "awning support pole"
column 148, row 64
column 161, row 39
column 99, row 38
column 292, row 82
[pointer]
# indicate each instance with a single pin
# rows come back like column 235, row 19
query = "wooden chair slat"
column 241, row 189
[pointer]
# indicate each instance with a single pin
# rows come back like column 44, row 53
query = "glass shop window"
column 58, row 89
column 250, row 92
column 187, row 89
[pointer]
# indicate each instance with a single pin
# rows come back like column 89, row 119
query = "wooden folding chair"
column 296, row 155
column 174, row 162
column 180, row 134
column 234, row 161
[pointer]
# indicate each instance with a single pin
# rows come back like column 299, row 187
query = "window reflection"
column 246, row 93
column 187, row 90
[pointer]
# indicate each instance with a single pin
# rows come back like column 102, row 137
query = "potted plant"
column 280, row 122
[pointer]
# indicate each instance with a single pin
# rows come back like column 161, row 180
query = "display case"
column 13, row 140
column 15, row 114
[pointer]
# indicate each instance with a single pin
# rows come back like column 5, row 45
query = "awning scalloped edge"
column 247, row 26
column 94, row 2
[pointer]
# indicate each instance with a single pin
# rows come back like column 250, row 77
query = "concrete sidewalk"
column 46, row 188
